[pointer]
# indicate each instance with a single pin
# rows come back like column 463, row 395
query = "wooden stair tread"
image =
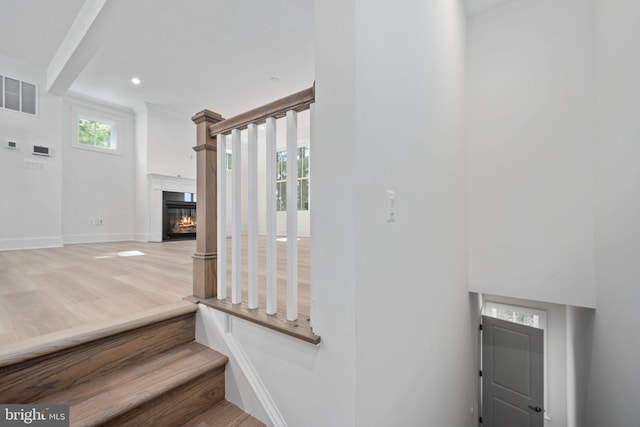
column 57, row 341
column 22, row 382
column 113, row 395
column 224, row 414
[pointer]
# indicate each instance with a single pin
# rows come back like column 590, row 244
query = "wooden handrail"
column 299, row 101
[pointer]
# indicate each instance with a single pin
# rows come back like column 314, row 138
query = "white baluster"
column 236, row 206
column 272, row 255
column 221, row 177
column 252, row 223
column 292, row 215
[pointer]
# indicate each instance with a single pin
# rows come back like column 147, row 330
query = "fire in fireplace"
column 179, row 216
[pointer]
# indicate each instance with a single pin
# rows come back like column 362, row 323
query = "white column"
column 252, row 220
column 236, row 206
column 221, row 174
column 292, row 215
column 271, row 245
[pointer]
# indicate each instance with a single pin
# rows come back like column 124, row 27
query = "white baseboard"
column 96, row 238
column 239, row 358
column 30, row 243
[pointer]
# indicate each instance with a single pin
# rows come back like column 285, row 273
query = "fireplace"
column 178, row 216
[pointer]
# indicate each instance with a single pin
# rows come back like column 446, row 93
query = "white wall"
column 98, row 185
column 531, row 152
column 142, row 230
column 579, row 348
column 383, row 362
column 414, row 349
column 171, row 138
column 30, row 213
column 614, row 397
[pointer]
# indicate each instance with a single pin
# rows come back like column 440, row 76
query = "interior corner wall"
column 141, row 231
column 414, row 349
column 614, row 384
column 531, row 152
column 31, row 185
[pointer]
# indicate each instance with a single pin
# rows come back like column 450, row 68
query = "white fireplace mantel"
column 156, row 185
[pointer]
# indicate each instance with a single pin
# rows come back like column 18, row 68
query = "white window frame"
column 3, row 101
column 489, row 309
column 299, row 179
column 80, row 113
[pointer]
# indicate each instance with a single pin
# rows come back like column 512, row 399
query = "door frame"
column 487, row 310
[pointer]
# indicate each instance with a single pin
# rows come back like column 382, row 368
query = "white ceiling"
column 189, row 54
column 31, row 30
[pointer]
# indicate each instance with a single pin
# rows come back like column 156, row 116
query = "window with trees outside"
column 303, row 179
column 96, row 134
column 95, row 130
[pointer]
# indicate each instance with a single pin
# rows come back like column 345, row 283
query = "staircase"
column 146, row 371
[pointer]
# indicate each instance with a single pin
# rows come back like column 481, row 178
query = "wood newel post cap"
column 207, row 116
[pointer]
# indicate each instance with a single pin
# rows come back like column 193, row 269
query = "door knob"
column 535, row 408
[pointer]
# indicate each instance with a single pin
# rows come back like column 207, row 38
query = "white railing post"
column 236, row 206
column 252, row 220
column 292, row 215
column 271, row 245
column 222, row 216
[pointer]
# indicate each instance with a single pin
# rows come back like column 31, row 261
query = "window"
column 229, row 160
column 303, row 179
column 18, row 96
column 93, row 130
column 95, row 133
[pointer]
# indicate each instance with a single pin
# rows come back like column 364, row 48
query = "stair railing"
column 210, row 258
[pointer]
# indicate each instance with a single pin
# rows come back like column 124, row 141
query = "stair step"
column 168, row 389
column 91, row 354
column 224, row 414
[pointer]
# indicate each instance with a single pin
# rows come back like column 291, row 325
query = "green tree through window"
column 94, row 133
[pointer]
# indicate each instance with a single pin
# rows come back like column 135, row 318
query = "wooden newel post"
column 205, row 257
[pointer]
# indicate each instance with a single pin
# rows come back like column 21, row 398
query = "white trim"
column 250, row 373
column 30, row 243
column 70, row 239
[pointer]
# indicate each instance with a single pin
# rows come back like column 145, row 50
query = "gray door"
column 512, row 374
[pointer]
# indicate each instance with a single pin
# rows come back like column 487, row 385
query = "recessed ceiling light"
column 135, row 81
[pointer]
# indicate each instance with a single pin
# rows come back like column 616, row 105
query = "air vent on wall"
column 39, row 150
column 18, row 96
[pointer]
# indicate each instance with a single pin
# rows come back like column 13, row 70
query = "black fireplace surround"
column 178, row 216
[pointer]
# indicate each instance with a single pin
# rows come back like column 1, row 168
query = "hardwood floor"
column 44, row 291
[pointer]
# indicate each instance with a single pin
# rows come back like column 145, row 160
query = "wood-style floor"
column 49, row 290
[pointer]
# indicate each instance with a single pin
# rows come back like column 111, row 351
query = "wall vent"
column 18, row 96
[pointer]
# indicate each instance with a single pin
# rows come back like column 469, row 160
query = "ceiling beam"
column 96, row 20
